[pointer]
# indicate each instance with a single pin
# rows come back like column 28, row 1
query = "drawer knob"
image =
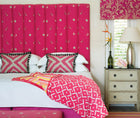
column 131, row 86
column 115, row 86
column 131, row 96
column 115, row 96
column 131, row 75
column 115, row 75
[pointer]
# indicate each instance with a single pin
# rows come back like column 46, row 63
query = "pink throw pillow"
column 15, row 62
column 60, row 63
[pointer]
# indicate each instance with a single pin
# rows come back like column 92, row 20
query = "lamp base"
column 130, row 66
column 130, row 56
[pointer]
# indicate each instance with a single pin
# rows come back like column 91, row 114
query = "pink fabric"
column 79, row 93
column 37, row 79
column 119, row 9
column 61, row 63
column 31, row 114
column 5, row 108
column 15, row 63
column 45, row 29
column 67, row 113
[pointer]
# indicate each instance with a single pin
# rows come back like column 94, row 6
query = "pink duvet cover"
column 77, row 92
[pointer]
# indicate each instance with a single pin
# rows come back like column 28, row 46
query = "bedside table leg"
column 137, row 107
column 107, row 106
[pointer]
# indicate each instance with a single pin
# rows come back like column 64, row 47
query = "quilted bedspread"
column 77, row 92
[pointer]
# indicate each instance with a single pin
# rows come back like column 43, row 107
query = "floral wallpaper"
column 119, row 9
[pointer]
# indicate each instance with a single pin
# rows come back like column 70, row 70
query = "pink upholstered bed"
column 42, row 29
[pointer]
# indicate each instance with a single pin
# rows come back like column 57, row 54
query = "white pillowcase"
column 78, row 68
column 81, row 68
column 42, row 61
column 33, row 68
column 33, row 63
column 79, row 59
column 34, row 59
column 0, row 62
column 42, row 69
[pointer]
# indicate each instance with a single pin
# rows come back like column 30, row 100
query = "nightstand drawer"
column 123, row 75
column 122, row 86
column 122, row 96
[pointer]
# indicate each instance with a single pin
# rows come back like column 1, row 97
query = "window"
column 119, row 48
column 116, row 27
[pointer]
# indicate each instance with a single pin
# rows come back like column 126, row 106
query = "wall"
column 96, row 28
column 137, row 47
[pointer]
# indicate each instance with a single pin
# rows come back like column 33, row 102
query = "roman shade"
column 119, row 9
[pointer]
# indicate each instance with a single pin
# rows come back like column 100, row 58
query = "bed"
column 32, row 33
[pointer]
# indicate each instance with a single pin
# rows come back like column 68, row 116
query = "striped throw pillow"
column 15, row 62
column 60, row 63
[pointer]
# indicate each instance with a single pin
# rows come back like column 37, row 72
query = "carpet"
column 123, row 115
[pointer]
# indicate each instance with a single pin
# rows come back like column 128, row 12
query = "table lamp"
column 130, row 35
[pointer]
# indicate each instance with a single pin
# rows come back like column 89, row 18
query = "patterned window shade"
column 119, row 9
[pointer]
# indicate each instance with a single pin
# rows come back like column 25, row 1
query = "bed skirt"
column 31, row 114
column 66, row 113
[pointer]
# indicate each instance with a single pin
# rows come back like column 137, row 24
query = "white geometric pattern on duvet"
column 80, row 93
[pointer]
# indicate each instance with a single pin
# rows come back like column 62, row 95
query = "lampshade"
column 131, row 34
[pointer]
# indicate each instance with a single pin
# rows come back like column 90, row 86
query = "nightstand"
column 121, row 86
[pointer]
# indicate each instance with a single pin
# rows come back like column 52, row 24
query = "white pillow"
column 33, row 68
column 81, row 68
column 42, row 61
column 0, row 62
column 78, row 68
column 33, row 62
column 79, row 59
column 34, row 59
column 42, row 69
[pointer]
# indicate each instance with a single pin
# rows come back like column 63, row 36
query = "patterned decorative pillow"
column 61, row 63
column 15, row 62
column 79, row 59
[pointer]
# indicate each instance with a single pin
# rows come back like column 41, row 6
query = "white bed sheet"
column 22, row 94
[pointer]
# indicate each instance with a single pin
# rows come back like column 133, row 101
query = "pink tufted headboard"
column 44, row 29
